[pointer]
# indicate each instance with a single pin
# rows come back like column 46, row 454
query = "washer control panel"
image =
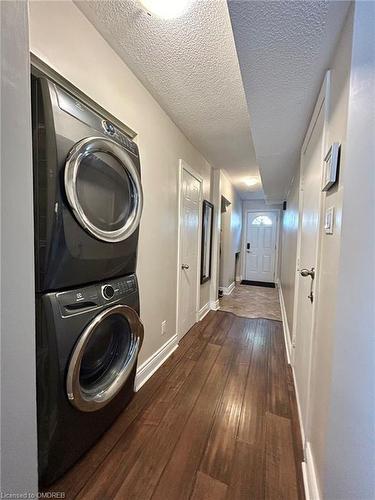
column 90, row 297
column 125, row 285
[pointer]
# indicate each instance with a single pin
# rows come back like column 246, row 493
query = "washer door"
column 103, row 188
column 103, row 358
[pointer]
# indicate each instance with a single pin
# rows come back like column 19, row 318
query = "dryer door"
column 104, row 357
column 103, row 188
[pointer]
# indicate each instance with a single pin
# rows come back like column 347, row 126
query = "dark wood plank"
column 218, row 457
column 221, row 328
column 255, row 399
column 247, row 480
column 155, row 412
column 278, row 395
column 142, row 478
column 281, row 477
column 211, row 325
column 207, row 327
column 207, row 488
column 178, row 477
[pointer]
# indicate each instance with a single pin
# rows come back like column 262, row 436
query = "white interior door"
column 260, row 246
column 189, row 240
column 310, row 193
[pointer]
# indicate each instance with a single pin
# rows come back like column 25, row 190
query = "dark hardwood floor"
column 217, row 421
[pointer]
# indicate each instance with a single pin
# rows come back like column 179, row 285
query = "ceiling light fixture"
column 251, row 181
column 165, row 9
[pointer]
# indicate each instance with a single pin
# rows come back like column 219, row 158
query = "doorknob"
column 305, row 273
column 185, row 266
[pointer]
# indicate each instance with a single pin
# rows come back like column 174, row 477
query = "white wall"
column 61, row 36
column 331, row 245
column 350, row 452
column 18, row 393
column 289, row 231
column 342, row 408
column 230, row 231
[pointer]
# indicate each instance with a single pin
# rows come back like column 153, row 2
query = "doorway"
column 189, row 238
column 261, row 246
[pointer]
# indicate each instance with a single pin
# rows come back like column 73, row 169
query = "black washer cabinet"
column 87, row 349
column 87, row 192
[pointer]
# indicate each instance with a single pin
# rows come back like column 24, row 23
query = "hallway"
column 217, row 420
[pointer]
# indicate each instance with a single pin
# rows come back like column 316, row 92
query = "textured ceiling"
column 284, row 48
column 190, row 66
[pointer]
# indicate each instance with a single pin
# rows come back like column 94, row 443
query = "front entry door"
column 260, row 243
column 189, row 238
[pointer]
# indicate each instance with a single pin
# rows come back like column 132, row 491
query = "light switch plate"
column 329, row 220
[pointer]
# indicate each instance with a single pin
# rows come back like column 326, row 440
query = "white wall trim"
column 309, row 476
column 203, row 311
column 215, row 305
column 239, row 278
column 288, row 343
column 228, row 290
column 149, row 367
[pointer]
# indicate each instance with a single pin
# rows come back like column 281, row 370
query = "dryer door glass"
column 105, row 191
column 103, row 188
column 104, row 357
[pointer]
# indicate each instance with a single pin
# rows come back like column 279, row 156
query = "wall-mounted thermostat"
column 329, row 219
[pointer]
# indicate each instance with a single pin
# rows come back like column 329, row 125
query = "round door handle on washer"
column 185, row 266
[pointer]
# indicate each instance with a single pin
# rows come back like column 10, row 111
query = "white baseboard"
column 203, row 311
column 309, row 476
column 238, row 279
column 228, row 290
column 214, row 305
column 149, row 367
column 299, row 408
column 288, row 343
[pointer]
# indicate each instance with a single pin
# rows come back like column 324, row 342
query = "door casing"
column 184, row 166
column 322, row 100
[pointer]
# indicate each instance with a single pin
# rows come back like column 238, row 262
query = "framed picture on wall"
column 207, row 224
column 331, row 162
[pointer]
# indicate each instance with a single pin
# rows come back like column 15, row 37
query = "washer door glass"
column 103, row 188
column 104, row 357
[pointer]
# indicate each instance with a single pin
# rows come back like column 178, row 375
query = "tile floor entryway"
column 253, row 302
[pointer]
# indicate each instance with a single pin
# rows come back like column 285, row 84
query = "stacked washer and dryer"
column 88, row 204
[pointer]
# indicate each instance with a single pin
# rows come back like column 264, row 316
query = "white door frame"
column 245, row 216
column 184, row 166
column 323, row 100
